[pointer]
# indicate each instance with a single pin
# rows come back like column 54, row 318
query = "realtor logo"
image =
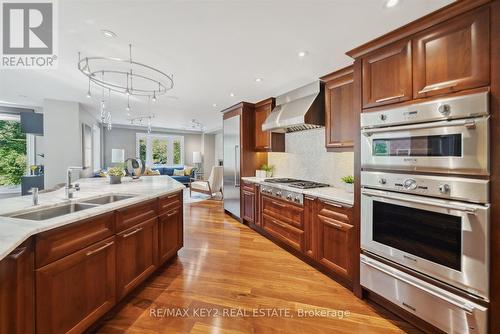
column 28, row 34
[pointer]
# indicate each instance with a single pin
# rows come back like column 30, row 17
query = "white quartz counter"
column 14, row 231
column 327, row 193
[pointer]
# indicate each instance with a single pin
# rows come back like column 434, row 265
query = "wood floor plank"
column 227, row 267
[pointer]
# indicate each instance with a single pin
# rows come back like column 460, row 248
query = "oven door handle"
column 469, row 124
column 468, row 308
column 401, row 197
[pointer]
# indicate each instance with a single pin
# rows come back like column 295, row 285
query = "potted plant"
column 348, row 183
column 115, row 174
column 269, row 169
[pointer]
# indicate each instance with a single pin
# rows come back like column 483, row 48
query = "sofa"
column 169, row 170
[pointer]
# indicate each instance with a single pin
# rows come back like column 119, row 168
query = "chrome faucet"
column 34, row 191
column 69, row 188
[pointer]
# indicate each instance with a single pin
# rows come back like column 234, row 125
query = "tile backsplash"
column 306, row 158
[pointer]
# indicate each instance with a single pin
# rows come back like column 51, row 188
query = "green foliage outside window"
column 177, row 152
column 160, row 152
column 12, row 153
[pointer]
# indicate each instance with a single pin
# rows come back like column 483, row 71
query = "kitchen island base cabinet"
column 170, row 234
column 75, row 291
column 17, row 291
column 136, row 255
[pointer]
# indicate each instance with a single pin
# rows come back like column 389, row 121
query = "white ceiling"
column 213, row 48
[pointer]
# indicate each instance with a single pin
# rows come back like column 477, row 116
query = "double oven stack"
column 425, row 210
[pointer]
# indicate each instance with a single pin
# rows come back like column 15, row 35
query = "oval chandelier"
column 124, row 76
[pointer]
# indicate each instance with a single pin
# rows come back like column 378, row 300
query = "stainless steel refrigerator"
column 231, row 131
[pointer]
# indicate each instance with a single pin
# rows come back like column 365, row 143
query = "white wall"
column 208, row 153
column 306, row 158
column 62, row 142
column 219, row 147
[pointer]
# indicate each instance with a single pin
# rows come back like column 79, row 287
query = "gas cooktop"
column 301, row 184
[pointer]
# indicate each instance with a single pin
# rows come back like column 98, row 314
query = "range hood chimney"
column 300, row 109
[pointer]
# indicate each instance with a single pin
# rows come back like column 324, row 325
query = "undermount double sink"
column 67, row 208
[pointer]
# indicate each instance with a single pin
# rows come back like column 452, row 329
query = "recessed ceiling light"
column 391, row 3
column 214, row 105
column 108, row 33
column 302, row 54
column 258, row 79
column 231, row 94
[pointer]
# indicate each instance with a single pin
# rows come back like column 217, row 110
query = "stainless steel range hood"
column 300, row 109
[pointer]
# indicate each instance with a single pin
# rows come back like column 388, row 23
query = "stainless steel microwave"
column 442, row 136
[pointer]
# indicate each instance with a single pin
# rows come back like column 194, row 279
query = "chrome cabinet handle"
column 236, row 167
column 437, row 87
column 279, row 204
column 131, row 233
column 17, row 253
column 468, row 308
column 100, row 248
column 172, row 196
column 390, row 98
column 468, row 210
column 172, row 213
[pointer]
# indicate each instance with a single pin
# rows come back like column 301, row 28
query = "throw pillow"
column 188, row 170
column 178, row 172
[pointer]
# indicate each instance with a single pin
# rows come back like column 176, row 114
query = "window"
column 160, row 149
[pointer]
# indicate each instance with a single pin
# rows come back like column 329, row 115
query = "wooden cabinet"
column 335, row 238
column 136, row 255
column 452, row 56
column 284, row 221
column 170, row 234
column 267, row 141
column 310, row 226
column 340, row 126
column 248, row 202
column 75, row 291
column 17, row 291
column 387, row 75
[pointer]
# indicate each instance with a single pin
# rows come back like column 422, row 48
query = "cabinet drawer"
column 283, row 231
column 169, row 202
column 55, row 244
column 75, row 291
column 449, row 312
column 335, row 211
column 248, row 186
column 286, row 212
column 133, row 215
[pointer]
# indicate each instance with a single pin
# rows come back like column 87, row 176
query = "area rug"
column 196, row 197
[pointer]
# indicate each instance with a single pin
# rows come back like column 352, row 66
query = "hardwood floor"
column 228, row 268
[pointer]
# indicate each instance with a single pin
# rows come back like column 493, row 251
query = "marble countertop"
column 338, row 195
column 14, row 231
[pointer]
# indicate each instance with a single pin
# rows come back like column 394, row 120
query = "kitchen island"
column 63, row 273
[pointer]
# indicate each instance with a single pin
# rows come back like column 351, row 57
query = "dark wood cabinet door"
column 452, row 56
column 266, row 141
column 284, row 232
column 309, row 227
column 335, row 239
column 248, row 205
column 170, row 236
column 75, row 291
column 17, row 291
column 387, row 75
column 339, row 113
column 136, row 255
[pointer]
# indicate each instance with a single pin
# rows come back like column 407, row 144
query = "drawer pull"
column 278, row 223
column 410, row 258
column 438, row 86
column 172, row 213
column 409, row 306
column 279, row 204
column 337, row 144
column 16, row 254
column 333, row 204
column 126, row 235
column 172, row 196
column 100, row 248
column 390, row 98
column 331, row 223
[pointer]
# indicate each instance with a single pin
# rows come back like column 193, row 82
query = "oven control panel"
column 469, row 190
